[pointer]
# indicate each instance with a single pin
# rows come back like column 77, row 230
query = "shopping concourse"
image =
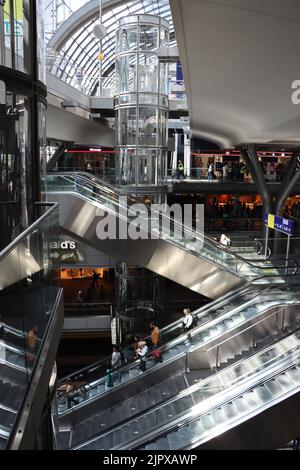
column 150, row 225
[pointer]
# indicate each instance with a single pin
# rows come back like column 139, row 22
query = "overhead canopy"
column 239, row 60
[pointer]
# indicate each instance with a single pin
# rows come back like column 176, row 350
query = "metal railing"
column 156, row 408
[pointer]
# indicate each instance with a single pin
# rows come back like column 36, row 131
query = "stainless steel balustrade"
column 205, row 315
column 206, row 335
column 191, row 260
column 27, row 298
column 207, row 420
column 174, row 327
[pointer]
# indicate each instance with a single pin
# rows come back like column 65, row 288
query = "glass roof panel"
column 77, row 61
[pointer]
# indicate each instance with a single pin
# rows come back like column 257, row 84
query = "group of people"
column 233, row 208
column 143, row 352
column 225, row 171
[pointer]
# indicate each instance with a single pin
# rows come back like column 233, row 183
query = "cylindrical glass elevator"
column 141, row 104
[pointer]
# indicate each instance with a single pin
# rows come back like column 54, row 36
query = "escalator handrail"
column 202, row 311
column 173, row 343
column 23, row 411
column 97, row 182
column 29, row 230
column 185, row 419
column 187, row 391
column 172, row 326
column 285, row 365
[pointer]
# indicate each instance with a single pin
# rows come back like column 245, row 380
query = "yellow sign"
column 271, row 220
column 100, row 56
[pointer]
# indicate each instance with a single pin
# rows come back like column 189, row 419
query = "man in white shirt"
column 188, row 319
column 225, row 241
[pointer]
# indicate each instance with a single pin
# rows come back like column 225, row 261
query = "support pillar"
column 288, row 184
column 249, row 155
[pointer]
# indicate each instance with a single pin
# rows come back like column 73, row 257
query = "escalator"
column 28, row 300
column 217, row 398
column 244, row 312
column 252, row 394
column 192, row 260
column 259, row 312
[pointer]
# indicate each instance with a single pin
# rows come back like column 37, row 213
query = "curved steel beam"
column 286, row 183
column 259, row 178
column 78, row 19
column 249, row 165
column 285, row 193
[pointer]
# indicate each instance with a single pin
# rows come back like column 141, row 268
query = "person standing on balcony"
column 180, row 170
column 96, row 278
column 210, row 172
column 89, row 168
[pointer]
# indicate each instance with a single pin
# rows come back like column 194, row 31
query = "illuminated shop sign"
column 65, row 245
column 64, row 251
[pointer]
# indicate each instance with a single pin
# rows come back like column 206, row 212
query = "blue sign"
column 277, row 222
column 179, row 74
column 284, row 225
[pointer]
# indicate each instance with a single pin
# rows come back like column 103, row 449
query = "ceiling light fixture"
column 100, row 30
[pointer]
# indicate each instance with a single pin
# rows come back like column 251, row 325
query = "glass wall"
column 22, row 115
column 15, row 165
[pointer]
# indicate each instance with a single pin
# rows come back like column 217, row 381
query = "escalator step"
column 207, row 421
column 174, row 441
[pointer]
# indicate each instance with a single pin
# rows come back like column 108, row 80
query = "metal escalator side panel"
column 78, row 216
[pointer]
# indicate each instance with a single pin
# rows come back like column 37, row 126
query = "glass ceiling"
column 77, row 64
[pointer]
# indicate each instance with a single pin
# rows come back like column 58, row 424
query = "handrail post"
column 283, row 319
column 217, row 357
column 266, row 242
column 254, row 343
